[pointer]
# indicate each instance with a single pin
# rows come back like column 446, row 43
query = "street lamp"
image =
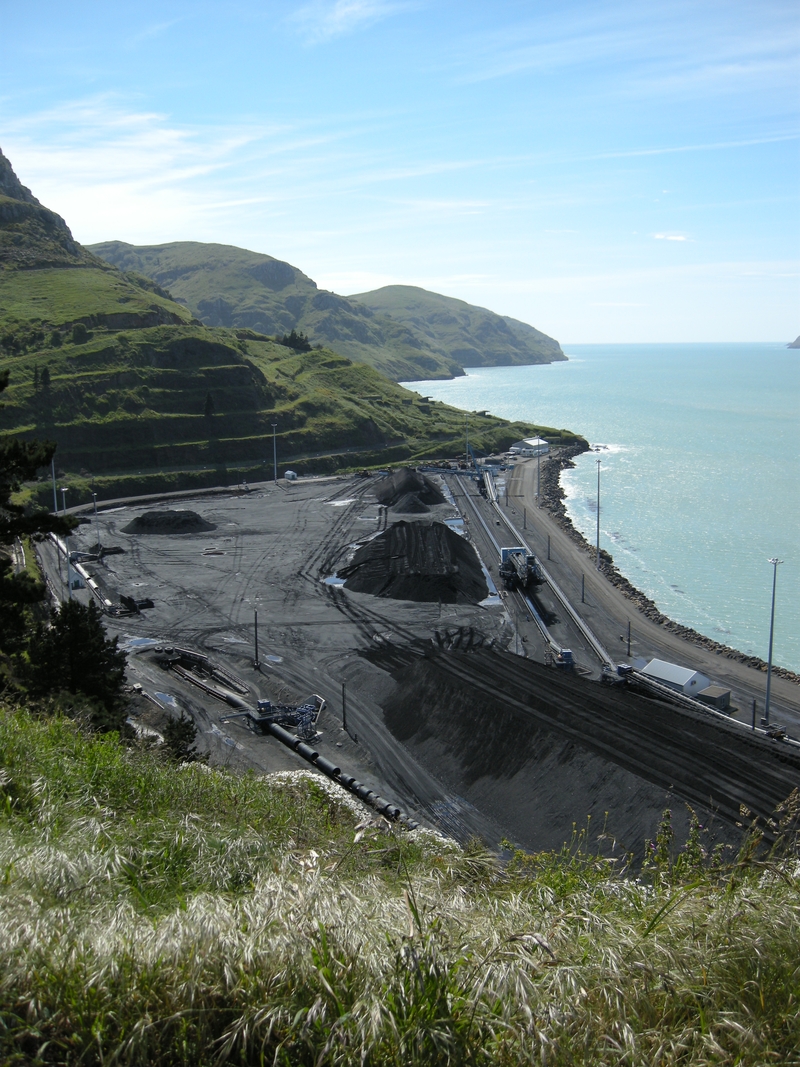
column 598, row 514
column 774, row 561
column 96, row 524
column 64, row 491
column 274, row 452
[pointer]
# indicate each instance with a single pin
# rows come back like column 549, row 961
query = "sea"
column 699, row 475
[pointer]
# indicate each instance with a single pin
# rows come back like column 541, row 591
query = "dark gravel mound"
column 390, row 490
column 168, row 522
column 410, row 504
column 417, row 561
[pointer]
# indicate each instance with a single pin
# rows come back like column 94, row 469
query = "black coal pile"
column 410, row 504
column 168, row 522
column 417, row 561
column 404, row 483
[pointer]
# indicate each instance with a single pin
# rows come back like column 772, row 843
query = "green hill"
column 227, row 286
column 473, row 336
column 139, row 396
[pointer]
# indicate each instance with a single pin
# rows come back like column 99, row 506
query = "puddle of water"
column 456, row 525
column 342, row 503
column 165, row 698
column 490, row 602
column 137, row 644
column 274, row 659
column 333, row 580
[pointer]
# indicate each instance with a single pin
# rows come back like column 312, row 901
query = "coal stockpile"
column 417, row 561
column 404, row 484
column 410, row 504
column 168, row 522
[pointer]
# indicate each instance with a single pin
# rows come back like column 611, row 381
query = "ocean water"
column 700, row 472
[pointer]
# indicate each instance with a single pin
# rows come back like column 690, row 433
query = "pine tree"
column 46, row 378
column 209, row 408
column 19, row 461
column 73, row 655
column 179, row 740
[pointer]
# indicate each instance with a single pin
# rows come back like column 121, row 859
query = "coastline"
column 552, row 499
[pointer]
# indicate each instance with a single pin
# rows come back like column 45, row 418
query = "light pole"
column 598, row 514
column 274, row 452
column 538, row 469
column 64, row 490
column 774, row 561
column 466, row 440
column 96, row 524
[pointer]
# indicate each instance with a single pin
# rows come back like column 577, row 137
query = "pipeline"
column 384, row 807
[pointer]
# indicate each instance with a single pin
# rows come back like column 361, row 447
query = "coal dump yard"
column 532, row 748
column 168, row 522
column 423, row 562
column 423, row 702
column 408, row 492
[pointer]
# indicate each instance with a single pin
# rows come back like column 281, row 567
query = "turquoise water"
column 700, row 473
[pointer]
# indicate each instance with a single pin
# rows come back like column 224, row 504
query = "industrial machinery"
column 301, row 717
column 518, row 568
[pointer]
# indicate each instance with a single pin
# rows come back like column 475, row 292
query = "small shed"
column 291, row 476
column 716, row 697
column 531, row 446
column 681, row 679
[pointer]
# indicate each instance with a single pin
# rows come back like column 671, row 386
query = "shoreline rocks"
column 553, row 501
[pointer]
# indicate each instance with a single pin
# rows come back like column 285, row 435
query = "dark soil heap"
column 410, row 504
column 417, row 561
column 168, row 522
column 404, row 483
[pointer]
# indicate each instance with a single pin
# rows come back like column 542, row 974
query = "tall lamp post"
column 774, row 561
column 598, row 514
column 96, row 525
column 64, row 491
column 274, row 452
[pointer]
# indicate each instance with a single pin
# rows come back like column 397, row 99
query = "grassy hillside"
column 140, row 396
column 127, row 410
column 151, row 914
column 227, row 286
column 471, row 335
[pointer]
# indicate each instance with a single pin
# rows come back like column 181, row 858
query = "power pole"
column 274, row 452
column 774, row 561
column 598, row 514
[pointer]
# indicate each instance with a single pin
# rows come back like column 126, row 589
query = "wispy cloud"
column 669, row 237
column 322, row 20
column 151, row 32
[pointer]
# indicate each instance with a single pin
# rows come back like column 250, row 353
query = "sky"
column 606, row 171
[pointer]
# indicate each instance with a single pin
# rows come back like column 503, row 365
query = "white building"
column 681, row 679
column 531, row 446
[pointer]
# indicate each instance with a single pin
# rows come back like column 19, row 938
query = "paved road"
column 608, row 613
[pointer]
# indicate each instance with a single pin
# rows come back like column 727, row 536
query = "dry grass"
column 150, row 915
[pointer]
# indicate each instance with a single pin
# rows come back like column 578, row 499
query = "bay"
column 700, row 472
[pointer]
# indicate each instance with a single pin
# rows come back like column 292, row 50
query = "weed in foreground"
column 159, row 915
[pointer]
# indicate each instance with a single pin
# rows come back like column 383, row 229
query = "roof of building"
column 669, row 672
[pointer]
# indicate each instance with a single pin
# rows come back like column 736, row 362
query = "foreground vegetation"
column 153, row 914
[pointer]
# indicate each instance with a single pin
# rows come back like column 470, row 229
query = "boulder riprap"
column 417, row 561
column 168, row 522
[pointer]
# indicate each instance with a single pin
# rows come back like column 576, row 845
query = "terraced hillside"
column 139, row 396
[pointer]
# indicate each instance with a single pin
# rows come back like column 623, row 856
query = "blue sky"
column 605, row 171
